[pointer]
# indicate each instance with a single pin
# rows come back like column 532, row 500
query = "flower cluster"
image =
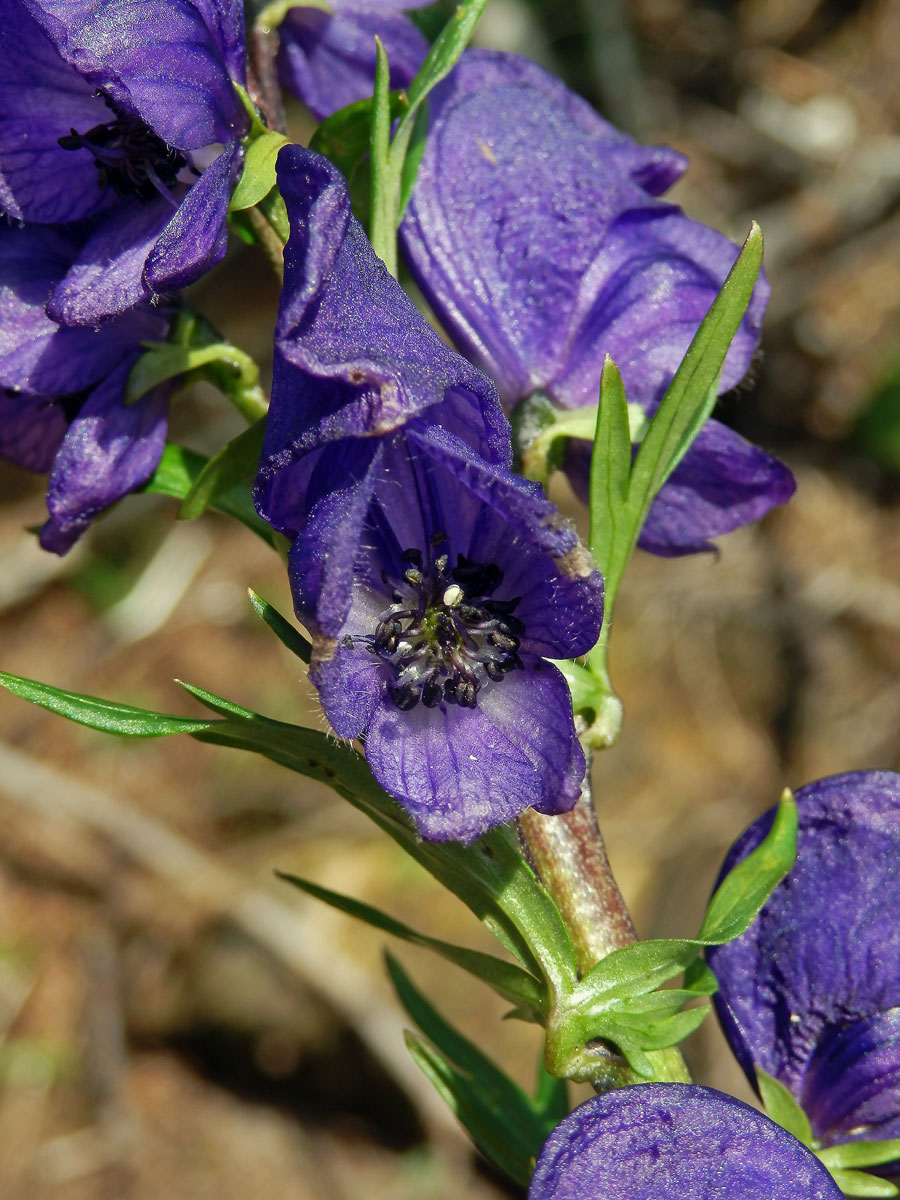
column 436, row 582
column 134, row 107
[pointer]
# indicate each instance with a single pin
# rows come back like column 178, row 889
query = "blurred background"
column 176, row 1023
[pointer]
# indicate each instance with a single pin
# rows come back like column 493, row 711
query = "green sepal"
column 747, row 887
column 501, row 1118
column 286, row 633
column 509, row 981
column 849, row 1155
column 235, row 464
column 258, row 176
column 781, row 1106
column 178, row 471
column 858, row 1183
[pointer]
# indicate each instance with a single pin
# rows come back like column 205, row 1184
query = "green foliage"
column 258, row 175
column 179, row 470
column 503, row 1120
column 235, row 464
column 781, row 1106
column 286, row 633
column 514, row 984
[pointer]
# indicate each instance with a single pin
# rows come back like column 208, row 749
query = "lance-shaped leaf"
column 509, row 981
column 286, row 633
column 501, row 1118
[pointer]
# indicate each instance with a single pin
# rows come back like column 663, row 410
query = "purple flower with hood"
column 434, row 581
column 656, row 1141
column 123, row 109
column 811, row 992
column 537, row 236
column 62, row 389
column 328, row 59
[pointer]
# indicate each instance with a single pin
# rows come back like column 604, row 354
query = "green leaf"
column 383, row 228
column 413, row 160
column 283, row 629
column 344, row 137
column 177, row 473
column 258, row 176
column 235, row 464
column 498, row 1114
column 692, row 391
column 781, row 1106
column 745, row 889
column 699, row 979
column 104, row 715
column 610, row 465
column 444, row 54
column 551, row 1097
column 857, row 1183
column 633, row 970
column 860, row 1154
column 508, row 980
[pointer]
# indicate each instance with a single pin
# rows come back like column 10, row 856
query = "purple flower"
column 62, row 389
column 536, row 234
column 125, row 109
column 328, row 59
column 811, row 993
column 657, row 1141
column 434, row 581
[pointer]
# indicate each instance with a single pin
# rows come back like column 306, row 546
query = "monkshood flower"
column 328, row 59
column 128, row 110
column 62, row 389
column 435, row 582
column 659, row 1141
column 537, row 236
column 811, row 993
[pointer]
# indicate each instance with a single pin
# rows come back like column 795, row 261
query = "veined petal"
column 657, row 1141
column 460, row 771
column 196, row 237
column 110, row 449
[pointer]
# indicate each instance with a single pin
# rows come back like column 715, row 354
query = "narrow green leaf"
column 857, row 1183
column 699, row 979
column 258, row 176
column 508, row 980
column 235, row 464
column 383, row 229
column 745, row 890
column 505, row 1110
column 634, row 970
column 413, row 159
column 781, row 1106
column 122, row 719
column 860, row 1154
column 287, row 634
column 610, row 465
column 466, row 1102
column 445, row 52
column 177, row 473
column 551, row 1097
column 697, row 375
column 345, row 136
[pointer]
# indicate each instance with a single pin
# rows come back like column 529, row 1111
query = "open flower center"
column 444, row 634
column 131, row 159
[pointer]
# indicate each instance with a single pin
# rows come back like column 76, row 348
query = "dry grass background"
column 173, row 1023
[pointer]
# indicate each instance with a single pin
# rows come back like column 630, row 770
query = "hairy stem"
column 569, row 855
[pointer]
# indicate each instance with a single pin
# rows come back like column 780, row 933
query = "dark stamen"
column 131, row 159
column 443, row 634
